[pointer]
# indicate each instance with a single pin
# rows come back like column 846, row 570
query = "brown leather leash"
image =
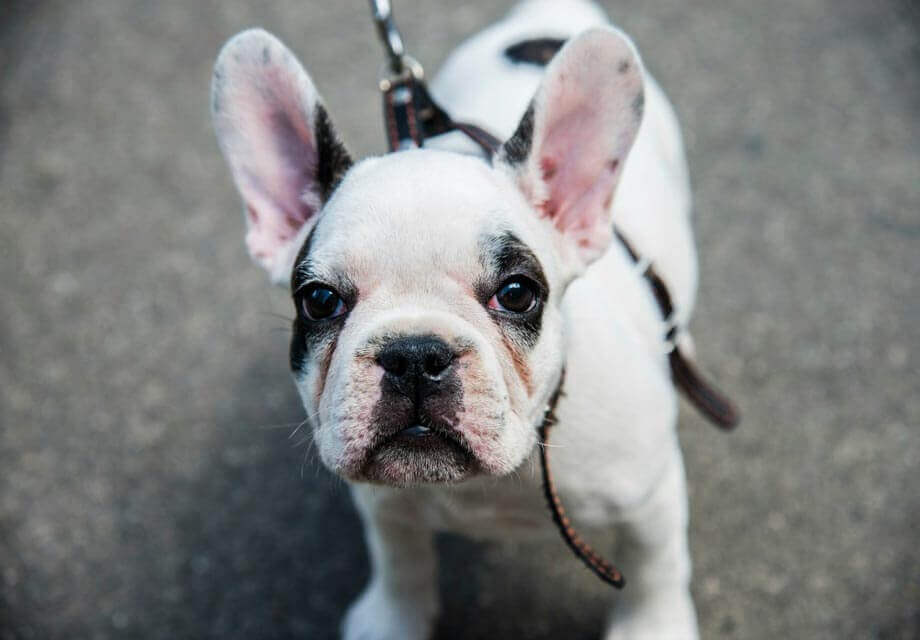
column 411, row 115
column 593, row 560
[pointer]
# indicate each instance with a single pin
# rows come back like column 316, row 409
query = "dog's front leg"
column 401, row 600
column 656, row 601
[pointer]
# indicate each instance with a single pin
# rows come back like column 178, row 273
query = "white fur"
column 405, row 226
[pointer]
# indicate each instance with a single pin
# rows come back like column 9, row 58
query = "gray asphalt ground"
column 148, row 487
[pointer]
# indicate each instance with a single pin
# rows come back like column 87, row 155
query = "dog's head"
column 427, row 285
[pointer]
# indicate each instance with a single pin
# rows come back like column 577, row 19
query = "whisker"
column 283, row 425
column 298, row 427
column 307, row 438
column 273, row 314
column 309, row 455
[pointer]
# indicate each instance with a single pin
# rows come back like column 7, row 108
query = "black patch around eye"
column 507, row 254
column 297, row 276
column 503, row 256
column 308, row 337
column 523, row 328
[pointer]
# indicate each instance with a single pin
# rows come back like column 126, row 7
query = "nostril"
column 394, row 363
column 435, row 363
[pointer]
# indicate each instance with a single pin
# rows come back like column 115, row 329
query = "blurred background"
column 148, row 487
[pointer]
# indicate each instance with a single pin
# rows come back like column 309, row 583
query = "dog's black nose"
column 412, row 360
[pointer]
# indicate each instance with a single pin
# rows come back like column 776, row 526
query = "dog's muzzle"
column 416, row 420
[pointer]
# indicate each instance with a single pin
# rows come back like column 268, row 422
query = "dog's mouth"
column 419, row 454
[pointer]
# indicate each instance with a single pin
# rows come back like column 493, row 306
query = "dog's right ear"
column 277, row 138
column 568, row 152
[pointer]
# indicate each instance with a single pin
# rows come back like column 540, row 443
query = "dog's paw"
column 668, row 613
column 378, row 615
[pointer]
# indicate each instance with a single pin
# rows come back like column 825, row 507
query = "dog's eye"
column 517, row 295
column 321, row 303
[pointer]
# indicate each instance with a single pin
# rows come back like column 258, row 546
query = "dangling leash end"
column 704, row 395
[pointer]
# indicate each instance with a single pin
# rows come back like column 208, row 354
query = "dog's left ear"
column 569, row 149
column 274, row 132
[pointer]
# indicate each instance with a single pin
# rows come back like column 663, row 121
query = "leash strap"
column 411, row 115
column 582, row 550
column 401, row 114
column 701, row 393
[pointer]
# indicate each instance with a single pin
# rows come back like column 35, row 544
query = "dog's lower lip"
column 417, row 455
column 415, row 431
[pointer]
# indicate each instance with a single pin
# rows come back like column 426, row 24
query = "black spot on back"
column 538, row 51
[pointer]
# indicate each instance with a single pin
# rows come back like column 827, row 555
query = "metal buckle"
column 410, row 69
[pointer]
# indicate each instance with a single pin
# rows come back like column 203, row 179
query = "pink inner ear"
column 279, row 161
column 267, row 134
column 579, row 178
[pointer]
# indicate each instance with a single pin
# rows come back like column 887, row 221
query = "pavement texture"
column 148, row 487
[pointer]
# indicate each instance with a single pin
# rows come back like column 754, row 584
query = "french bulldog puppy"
column 440, row 295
